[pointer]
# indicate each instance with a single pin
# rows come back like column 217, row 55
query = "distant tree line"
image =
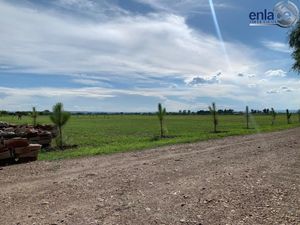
column 23, row 113
column 180, row 112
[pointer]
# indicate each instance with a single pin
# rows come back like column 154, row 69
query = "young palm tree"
column 34, row 115
column 59, row 117
column 298, row 115
column 247, row 116
column 213, row 111
column 288, row 116
column 273, row 114
column 161, row 114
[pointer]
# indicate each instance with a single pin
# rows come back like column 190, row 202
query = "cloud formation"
column 154, row 56
column 276, row 73
column 198, row 80
column 156, row 44
column 277, row 46
column 184, row 7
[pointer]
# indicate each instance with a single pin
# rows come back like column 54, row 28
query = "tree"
column 59, row 117
column 294, row 43
column 3, row 113
column 45, row 112
column 273, row 114
column 298, row 115
column 247, row 116
column 161, row 114
column 288, row 116
column 213, row 112
column 19, row 115
column 34, row 115
column 265, row 111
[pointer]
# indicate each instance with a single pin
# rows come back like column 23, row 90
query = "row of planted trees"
column 60, row 117
column 213, row 110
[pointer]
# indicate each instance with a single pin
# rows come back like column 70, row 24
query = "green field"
column 118, row 133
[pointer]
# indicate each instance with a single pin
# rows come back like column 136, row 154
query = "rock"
column 41, row 134
column 16, row 143
column 91, row 174
column 100, row 199
column 24, row 141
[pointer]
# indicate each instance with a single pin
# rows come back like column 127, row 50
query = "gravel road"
column 249, row 180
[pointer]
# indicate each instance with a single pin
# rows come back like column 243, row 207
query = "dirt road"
column 237, row 180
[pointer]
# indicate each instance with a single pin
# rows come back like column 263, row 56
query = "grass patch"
column 95, row 135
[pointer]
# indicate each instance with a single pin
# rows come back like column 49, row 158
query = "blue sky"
column 128, row 55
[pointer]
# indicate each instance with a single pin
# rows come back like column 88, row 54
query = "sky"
column 129, row 55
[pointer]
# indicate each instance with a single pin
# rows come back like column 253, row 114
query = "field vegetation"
column 105, row 134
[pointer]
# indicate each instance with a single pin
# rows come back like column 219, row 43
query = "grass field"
column 118, row 133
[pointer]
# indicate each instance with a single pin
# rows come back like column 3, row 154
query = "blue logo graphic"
column 284, row 14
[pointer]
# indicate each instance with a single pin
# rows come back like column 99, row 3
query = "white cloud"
column 277, row 46
column 286, row 89
column 89, row 92
column 86, row 81
column 83, row 4
column 281, row 89
column 156, row 44
column 184, row 7
column 276, row 73
column 198, row 80
column 252, row 85
column 90, row 82
column 182, row 97
column 272, row 91
column 90, row 9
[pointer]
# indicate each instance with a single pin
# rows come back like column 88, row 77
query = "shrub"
column 161, row 114
column 34, row 115
column 288, row 116
column 59, row 117
column 273, row 114
column 247, row 117
column 213, row 111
